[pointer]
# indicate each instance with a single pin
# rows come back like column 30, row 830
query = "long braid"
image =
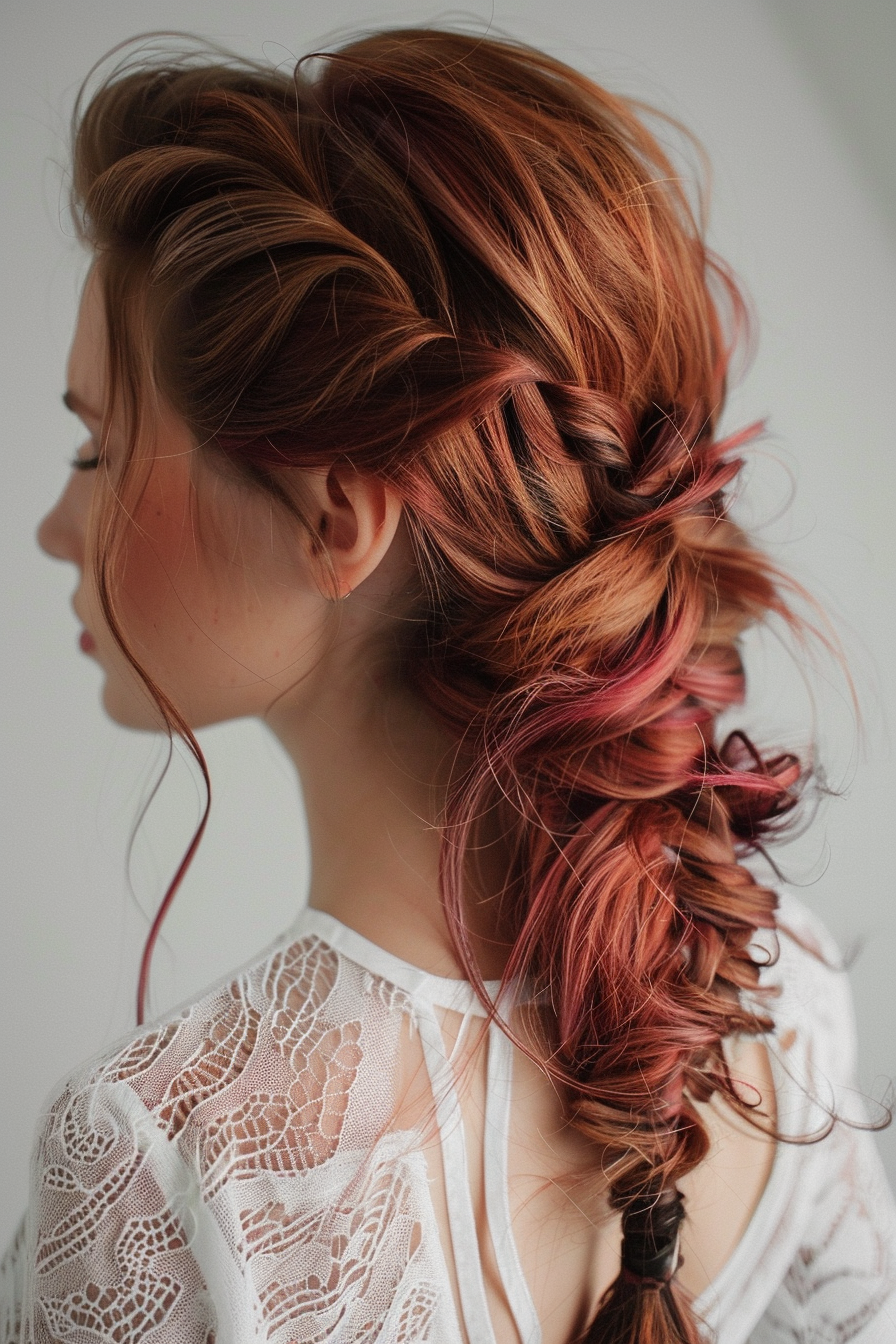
column 632, row 911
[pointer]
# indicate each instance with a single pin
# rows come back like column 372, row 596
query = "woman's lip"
column 87, row 642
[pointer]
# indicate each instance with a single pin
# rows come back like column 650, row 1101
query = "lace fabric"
column 289, row 1159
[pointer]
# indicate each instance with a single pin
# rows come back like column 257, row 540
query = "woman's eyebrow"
column 72, row 402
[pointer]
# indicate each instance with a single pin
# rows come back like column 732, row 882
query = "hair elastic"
column 651, row 1238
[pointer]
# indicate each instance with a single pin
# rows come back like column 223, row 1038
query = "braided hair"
column 472, row 271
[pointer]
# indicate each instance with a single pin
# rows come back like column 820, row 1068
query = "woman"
column 401, row 378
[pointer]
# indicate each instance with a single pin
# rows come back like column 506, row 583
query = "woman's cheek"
column 170, row 609
column 222, row 635
column 158, row 586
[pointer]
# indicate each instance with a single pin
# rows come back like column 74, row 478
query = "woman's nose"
column 58, row 533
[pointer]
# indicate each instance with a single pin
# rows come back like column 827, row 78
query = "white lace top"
column 239, row 1172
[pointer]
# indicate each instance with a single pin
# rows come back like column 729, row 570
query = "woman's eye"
column 87, row 463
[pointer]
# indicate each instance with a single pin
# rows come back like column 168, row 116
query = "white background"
column 796, row 214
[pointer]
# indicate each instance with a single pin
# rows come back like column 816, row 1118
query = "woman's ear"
column 354, row 518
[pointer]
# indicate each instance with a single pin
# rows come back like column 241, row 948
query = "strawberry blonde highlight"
column 471, row 271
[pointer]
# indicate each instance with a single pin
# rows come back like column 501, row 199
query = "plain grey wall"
column 849, row 51
column 800, row 225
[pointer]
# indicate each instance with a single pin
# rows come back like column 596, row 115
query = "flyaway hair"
column 468, row 269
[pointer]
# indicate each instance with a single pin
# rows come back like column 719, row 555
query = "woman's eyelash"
column 86, row 463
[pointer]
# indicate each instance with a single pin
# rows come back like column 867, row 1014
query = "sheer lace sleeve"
column 839, row 1273
column 104, row 1253
column 232, row 1175
column 841, row 1284
column 12, row 1273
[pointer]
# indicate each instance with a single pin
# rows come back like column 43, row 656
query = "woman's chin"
column 131, row 706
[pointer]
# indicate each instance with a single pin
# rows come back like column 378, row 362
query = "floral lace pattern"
column 238, row 1173
column 264, row 1110
column 840, row 1285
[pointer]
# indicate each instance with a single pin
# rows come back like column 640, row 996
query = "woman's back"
column 335, row 1145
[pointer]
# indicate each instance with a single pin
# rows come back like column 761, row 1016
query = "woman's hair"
column 470, row 271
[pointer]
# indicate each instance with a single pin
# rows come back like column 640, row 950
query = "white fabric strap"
column 497, row 1201
column 461, row 1219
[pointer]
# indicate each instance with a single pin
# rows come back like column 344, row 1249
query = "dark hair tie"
column 650, row 1238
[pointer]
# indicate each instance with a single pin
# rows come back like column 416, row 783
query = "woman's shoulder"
column 810, row 1000
column 299, row 1018
column 806, row 944
column 250, row 1080
column 250, row 1128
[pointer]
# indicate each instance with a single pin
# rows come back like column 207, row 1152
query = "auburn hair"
column 471, row 271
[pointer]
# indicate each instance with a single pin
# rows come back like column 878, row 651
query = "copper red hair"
column 472, row 271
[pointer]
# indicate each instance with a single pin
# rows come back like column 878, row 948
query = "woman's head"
column 453, row 266
column 221, row 600
column 436, row 315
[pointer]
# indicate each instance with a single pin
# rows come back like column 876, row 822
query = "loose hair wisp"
column 470, row 270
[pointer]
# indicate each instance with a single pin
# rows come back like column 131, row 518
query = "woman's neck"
column 374, row 766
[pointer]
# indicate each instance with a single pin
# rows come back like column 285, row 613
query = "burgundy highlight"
column 470, row 270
